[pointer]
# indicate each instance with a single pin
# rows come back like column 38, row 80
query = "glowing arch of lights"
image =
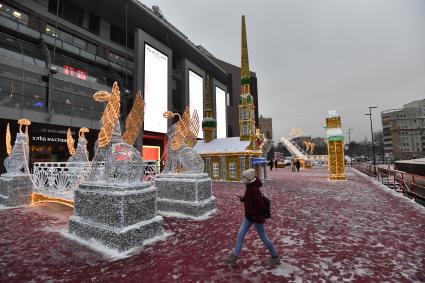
column 40, row 198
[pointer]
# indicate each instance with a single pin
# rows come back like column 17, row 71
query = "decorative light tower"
column 209, row 124
column 246, row 101
column 335, row 138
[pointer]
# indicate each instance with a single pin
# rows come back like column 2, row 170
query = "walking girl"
column 254, row 214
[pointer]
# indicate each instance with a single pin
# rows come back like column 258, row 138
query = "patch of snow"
column 186, row 201
column 2, row 207
column 284, row 269
column 110, row 253
column 182, row 215
column 288, row 240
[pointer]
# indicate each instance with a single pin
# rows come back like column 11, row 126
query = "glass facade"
column 74, row 85
column 73, row 40
column 13, row 14
column 24, row 81
column 68, row 11
column 118, row 35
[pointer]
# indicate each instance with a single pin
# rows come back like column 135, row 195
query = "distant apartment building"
column 404, row 130
column 266, row 126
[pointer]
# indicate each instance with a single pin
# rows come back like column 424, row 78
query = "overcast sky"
column 318, row 55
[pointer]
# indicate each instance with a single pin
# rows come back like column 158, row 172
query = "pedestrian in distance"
column 293, row 165
column 298, row 165
column 275, row 163
column 254, row 214
column 271, row 165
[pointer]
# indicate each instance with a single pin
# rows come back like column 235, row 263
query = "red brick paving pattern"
column 324, row 231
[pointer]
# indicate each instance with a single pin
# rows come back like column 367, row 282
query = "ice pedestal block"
column 15, row 189
column 118, row 216
column 188, row 195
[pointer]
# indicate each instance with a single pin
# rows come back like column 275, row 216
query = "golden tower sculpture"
column 209, row 124
column 246, row 101
column 335, row 140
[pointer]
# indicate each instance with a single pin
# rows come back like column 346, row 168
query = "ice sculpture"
column 16, row 183
column 115, row 160
column 113, row 206
column 181, row 157
column 81, row 154
column 183, row 190
column 17, row 162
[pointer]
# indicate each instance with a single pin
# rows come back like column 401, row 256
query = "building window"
column 216, row 170
column 67, row 11
column 94, row 24
column 232, row 170
column 242, row 164
column 244, row 130
column 245, row 114
column 118, row 35
column 13, row 14
column 73, row 40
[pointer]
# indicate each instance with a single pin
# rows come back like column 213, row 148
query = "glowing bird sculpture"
column 110, row 114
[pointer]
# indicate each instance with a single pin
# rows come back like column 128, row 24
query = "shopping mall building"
column 55, row 54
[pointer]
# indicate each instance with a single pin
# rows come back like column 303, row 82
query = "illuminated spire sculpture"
column 246, row 101
column 335, row 138
column 209, row 124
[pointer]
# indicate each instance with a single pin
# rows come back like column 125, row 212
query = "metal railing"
column 61, row 179
column 411, row 185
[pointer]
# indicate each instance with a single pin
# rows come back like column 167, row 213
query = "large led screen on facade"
column 220, row 106
column 156, row 90
column 196, row 96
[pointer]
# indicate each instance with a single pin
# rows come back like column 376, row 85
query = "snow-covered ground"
column 352, row 230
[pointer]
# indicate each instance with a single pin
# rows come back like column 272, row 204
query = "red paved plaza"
column 324, row 231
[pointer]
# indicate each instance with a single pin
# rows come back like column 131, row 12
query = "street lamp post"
column 383, row 149
column 371, row 132
column 349, row 146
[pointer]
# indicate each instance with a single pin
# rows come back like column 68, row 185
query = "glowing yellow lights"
column 134, row 120
column 40, row 198
column 333, row 122
column 70, row 142
column 82, row 131
column 336, row 160
column 110, row 114
column 8, row 141
column 187, row 128
column 17, row 14
column 47, row 29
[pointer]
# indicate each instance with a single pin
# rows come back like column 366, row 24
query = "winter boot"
column 274, row 260
column 231, row 260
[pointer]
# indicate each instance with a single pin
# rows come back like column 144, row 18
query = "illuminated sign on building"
column 76, row 73
column 156, row 90
column 220, row 102
column 196, row 97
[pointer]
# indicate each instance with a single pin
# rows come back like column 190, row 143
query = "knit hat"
column 248, row 175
